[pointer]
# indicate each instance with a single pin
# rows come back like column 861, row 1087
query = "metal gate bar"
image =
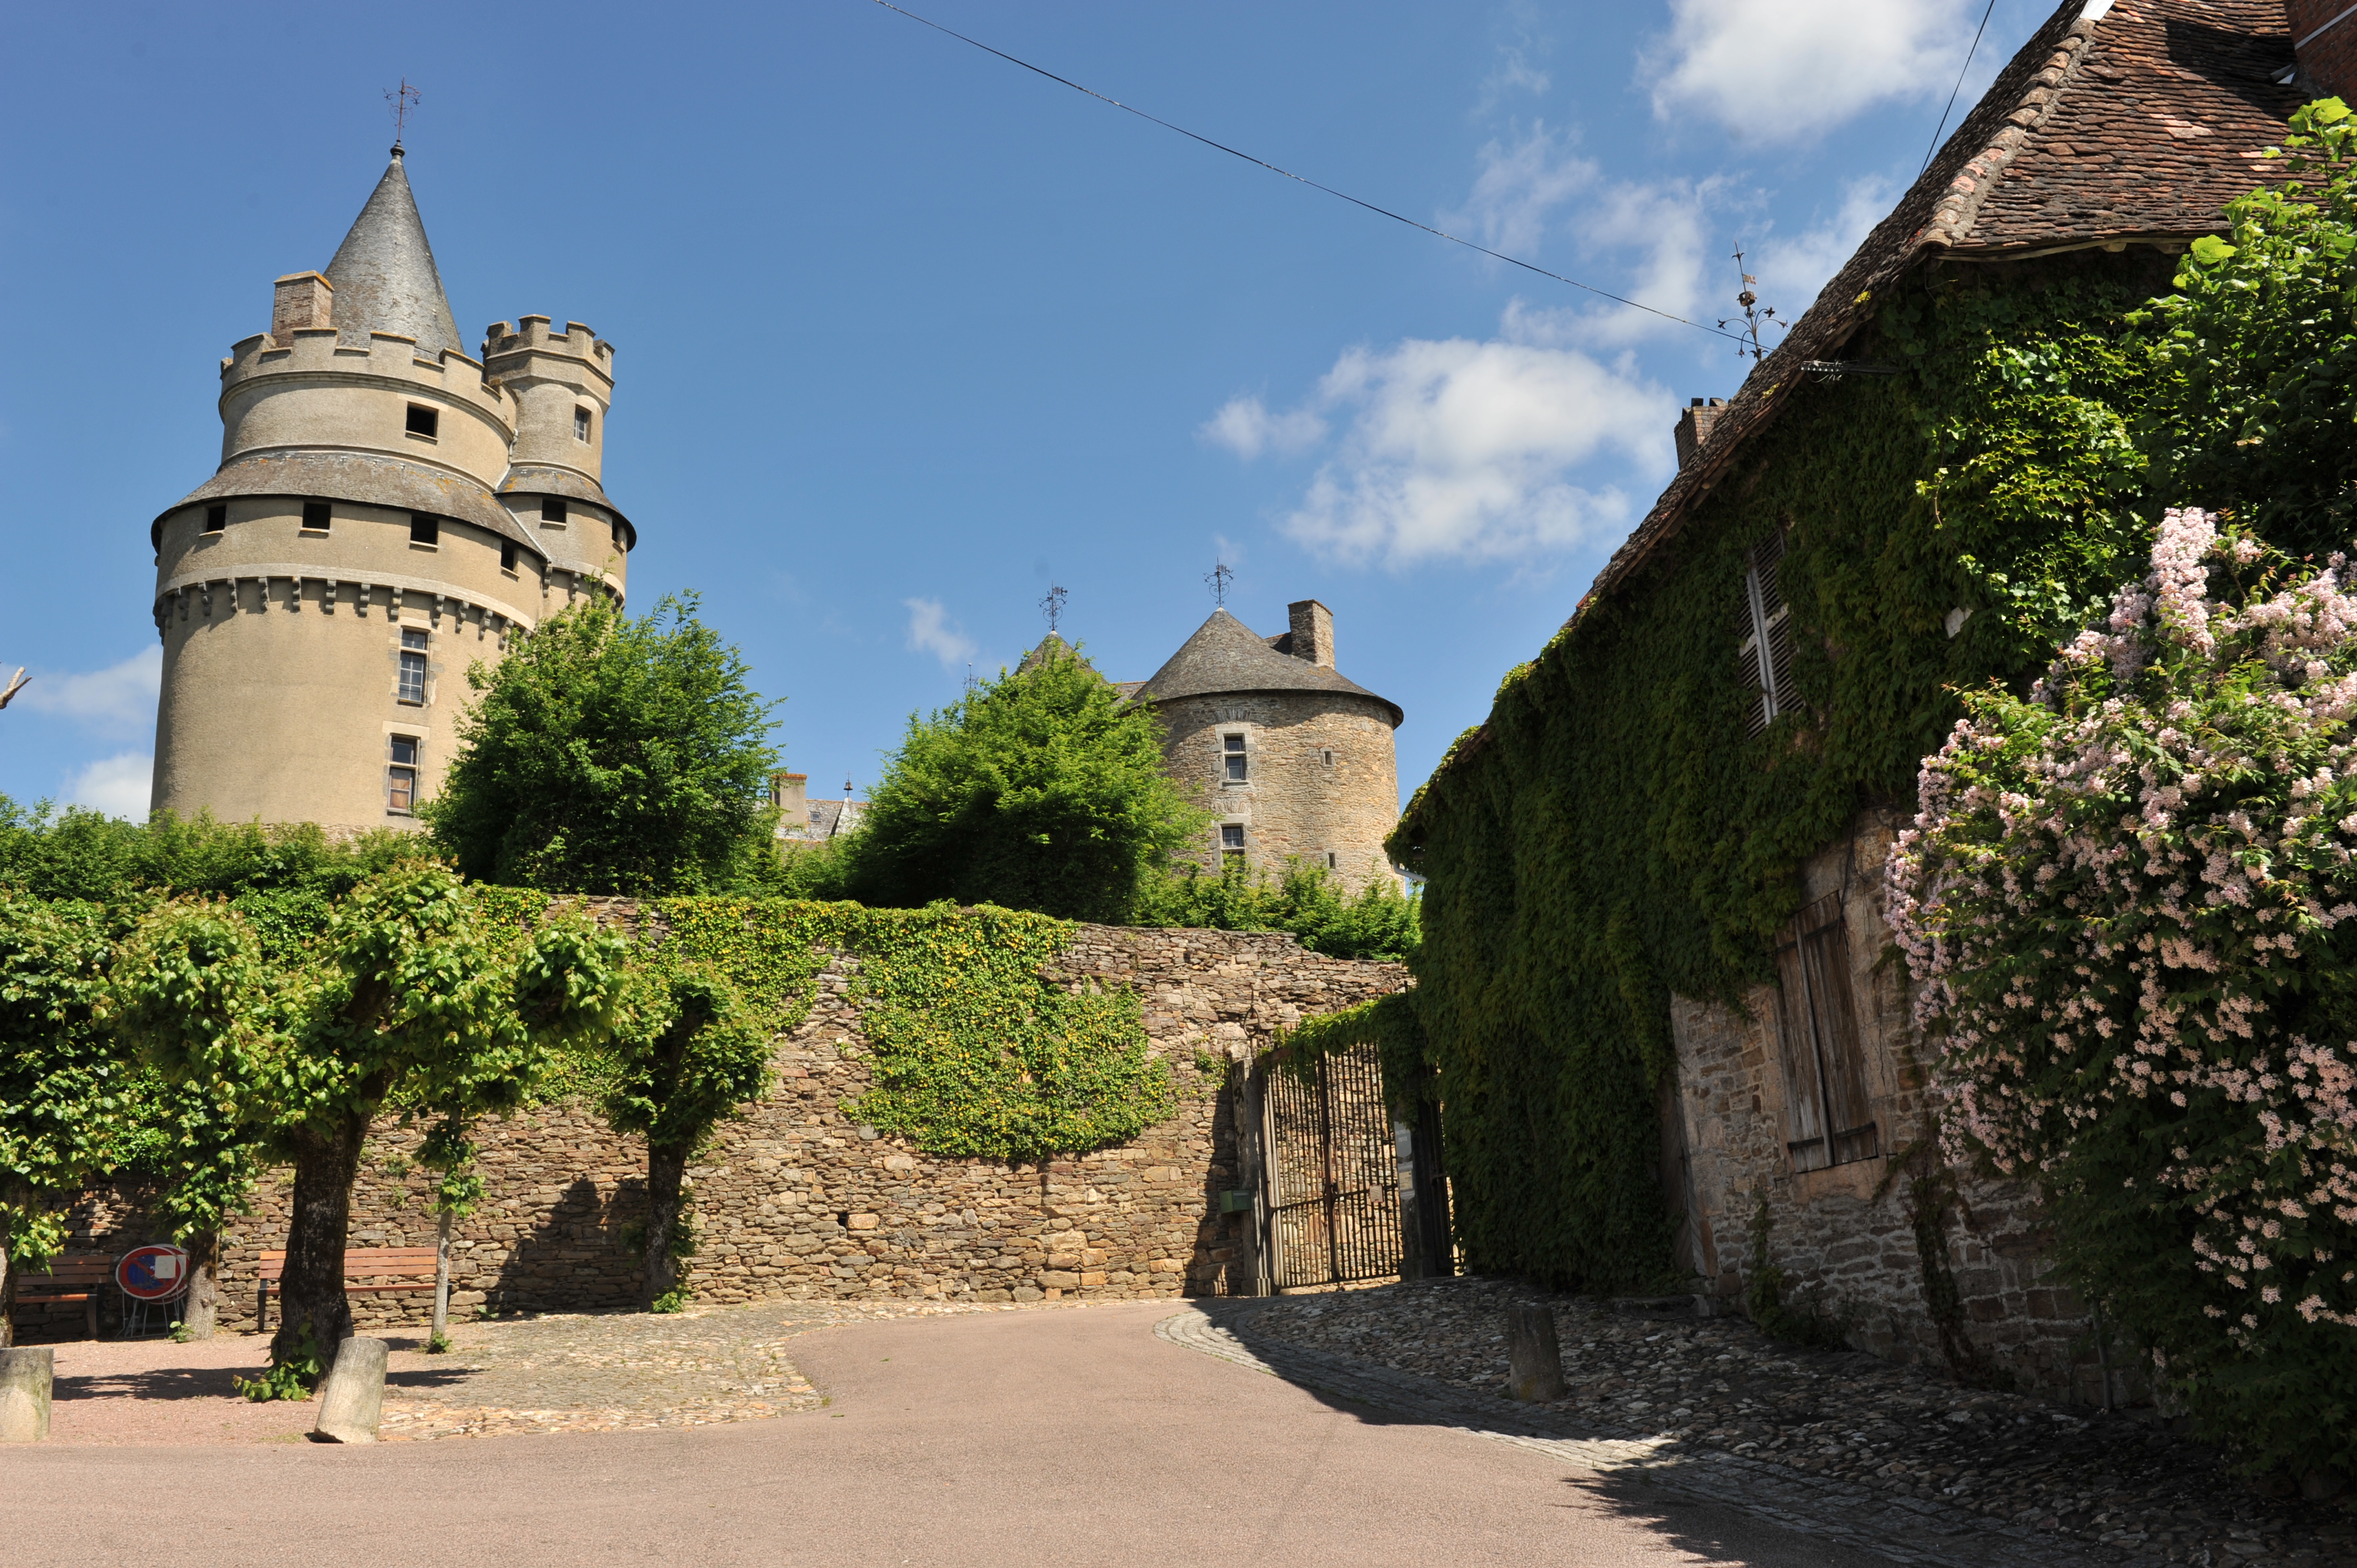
column 1333, row 1172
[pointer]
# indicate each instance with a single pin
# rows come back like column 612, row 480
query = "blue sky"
column 905, row 334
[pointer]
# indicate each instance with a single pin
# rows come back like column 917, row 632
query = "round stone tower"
column 387, row 511
column 1295, row 761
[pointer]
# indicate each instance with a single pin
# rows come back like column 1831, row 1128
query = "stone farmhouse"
column 2107, row 145
column 387, row 510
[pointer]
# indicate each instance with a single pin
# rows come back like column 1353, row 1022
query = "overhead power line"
column 1304, row 180
column 1933, row 150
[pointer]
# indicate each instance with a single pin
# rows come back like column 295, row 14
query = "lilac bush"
column 2129, row 909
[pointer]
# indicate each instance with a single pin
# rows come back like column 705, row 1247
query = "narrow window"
column 401, row 778
column 425, row 529
column 1232, row 844
column 507, row 555
column 1330, row 759
column 551, row 509
column 424, row 421
column 616, row 526
column 1767, row 627
column 413, row 665
column 1828, row 1119
column 315, row 517
column 216, row 517
column 1233, row 747
column 581, row 425
column 1329, row 861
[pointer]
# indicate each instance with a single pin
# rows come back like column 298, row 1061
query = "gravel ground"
column 2115, row 1481
column 563, row 1372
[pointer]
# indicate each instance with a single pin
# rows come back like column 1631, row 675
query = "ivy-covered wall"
column 1612, row 834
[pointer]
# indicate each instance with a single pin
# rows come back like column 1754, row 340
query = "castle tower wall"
column 1321, row 777
column 368, row 537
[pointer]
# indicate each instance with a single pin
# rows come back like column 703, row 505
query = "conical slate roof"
column 1225, row 655
column 385, row 275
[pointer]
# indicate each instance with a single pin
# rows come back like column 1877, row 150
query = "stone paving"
column 618, row 1371
column 1713, row 1407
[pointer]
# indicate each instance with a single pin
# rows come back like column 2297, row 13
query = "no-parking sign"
column 153, row 1272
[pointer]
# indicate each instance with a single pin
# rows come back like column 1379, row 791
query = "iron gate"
column 1333, row 1172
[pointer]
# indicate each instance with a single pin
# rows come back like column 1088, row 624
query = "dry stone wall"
column 797, row 1198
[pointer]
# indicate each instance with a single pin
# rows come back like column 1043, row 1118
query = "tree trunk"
column 311, row 1292
column 7, row 1295
column 665, row 1169
column 199, row 1313
column 441, row 1274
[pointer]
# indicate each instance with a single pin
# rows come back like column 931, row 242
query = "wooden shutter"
column 1766, row 647
column 1829, row 1116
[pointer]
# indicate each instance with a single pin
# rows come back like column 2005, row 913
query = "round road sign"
column 153, row 1272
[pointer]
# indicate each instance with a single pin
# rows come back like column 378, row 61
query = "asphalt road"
column 1031, row 1440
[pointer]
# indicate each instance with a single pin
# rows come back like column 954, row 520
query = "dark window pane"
column 1232, row 836
column 413, row 637
column 581, row 425
column 424, row 420
column 216, row 517
column 425, row 529
column 507, row 555
column 404, row 749
column 1233, row 741
column 315, row 516
column 413, row 677
column 1235, row 770
column 551, row 509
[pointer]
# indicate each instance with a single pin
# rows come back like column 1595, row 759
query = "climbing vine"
column 1616, row 833
column 1391, row 1025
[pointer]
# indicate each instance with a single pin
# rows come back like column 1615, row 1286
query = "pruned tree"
column 410, row 997
column 688, row 1052
column 60, row 1077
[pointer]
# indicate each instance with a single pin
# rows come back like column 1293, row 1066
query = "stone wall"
column 796, row 1199
column 1844, row 1235
column 1321, row 776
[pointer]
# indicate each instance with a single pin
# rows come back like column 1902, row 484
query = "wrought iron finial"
column 1052, row 607
column 1754, row 316
column 1217, row 579
column 403, row 98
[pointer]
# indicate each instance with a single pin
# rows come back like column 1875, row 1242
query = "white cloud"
column 1466, row 451
column 118, row 785
column 1777, row 71
column 1244, row 427
column 1231, row 551
column 1521, row 184
column 117, row 698
column 931, row 630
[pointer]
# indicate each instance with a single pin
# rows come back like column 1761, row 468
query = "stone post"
column 24, row 1378
column 1535, row 1358
column 352, row 1397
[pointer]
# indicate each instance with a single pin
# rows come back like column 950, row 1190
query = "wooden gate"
column 1332, row 1171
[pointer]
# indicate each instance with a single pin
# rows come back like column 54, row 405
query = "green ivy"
column 1390, row 1023
column 1614, row 835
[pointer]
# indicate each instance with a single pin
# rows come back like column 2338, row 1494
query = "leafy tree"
column 411, row 998
column 192, row 1142
column 82, row 854
column 2258, row 352
column 60, row 1077
column 606, row 755
column 1379, row 922
column 689, row 1052
column 1040, row 791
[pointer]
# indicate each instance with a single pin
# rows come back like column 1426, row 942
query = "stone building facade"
column 1294, row 760
column 1801, row 1131
column 387, row 511
column 796, row 1199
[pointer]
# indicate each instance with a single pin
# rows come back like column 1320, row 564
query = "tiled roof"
column 384, row 277
column 827, row 819
column 363, row 479
column 1225, row 655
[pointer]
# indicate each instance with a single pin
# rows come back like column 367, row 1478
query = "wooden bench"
column 360, row 1263
column 79, row 1278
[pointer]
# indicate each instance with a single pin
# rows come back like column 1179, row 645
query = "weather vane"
column 1052, row 607
column 1753, row 318
column 403, row 98
column 1217, row 579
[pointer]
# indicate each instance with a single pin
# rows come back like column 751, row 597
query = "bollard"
column 1536, row 1358
column 25, row 1379
column 352, row 1396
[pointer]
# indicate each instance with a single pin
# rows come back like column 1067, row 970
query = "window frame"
column 424, row 420
column 1235, row 758
column 585, row 424
column 216, row 518
column 318, row 515
column 1766, row 628
column 507, row 555
column 551, row 510
column 421, row 651
column 426, row 529
column 400, row 774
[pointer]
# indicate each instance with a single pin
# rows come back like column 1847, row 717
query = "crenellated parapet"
column 531, row 335
column 317, row 350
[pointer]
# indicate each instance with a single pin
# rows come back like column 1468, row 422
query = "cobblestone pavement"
column 1713, row 1407
column 619, row 1371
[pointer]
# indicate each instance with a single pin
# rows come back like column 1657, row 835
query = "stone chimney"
column 790, row 792
column 299, row 300
column 1694, row 426
column 1313, row 632
column 2323, row 47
